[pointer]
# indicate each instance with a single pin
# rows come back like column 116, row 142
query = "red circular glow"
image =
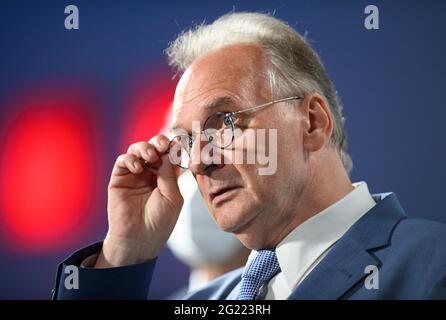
column 46, row 171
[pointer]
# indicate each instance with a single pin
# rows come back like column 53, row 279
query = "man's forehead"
column 225, row 67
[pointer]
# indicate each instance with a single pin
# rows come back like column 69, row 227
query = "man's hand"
column 144, row 202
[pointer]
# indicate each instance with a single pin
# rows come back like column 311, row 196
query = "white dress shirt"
column 304, row 247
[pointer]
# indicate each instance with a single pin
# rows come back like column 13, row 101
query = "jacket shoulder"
column 421, row 229
column 420, row 239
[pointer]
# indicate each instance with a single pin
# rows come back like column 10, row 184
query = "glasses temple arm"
column 266, row 104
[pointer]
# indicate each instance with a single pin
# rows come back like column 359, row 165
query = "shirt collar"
column 304, row 245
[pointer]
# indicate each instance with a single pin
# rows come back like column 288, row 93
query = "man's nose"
column 204, row 156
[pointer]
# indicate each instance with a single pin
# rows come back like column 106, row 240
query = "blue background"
column 391, row 82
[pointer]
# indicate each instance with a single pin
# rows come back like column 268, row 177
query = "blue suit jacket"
column 409, row 254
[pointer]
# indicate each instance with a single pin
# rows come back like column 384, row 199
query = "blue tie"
column 261, row 269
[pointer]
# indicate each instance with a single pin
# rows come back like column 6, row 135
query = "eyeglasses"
column 218, row 129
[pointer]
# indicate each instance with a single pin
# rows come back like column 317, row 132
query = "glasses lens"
column 219, row 129
column 179, row 151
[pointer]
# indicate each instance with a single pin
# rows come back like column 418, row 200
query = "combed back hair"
column 293, row 68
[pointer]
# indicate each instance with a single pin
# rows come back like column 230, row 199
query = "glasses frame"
column 230, row 116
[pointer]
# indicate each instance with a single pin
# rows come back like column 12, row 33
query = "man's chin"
column 227, row 222
column 250, row 238
column 245, row 230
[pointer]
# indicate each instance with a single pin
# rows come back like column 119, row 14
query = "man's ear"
column 319, row 123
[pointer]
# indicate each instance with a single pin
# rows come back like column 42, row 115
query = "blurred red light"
column 46, row 175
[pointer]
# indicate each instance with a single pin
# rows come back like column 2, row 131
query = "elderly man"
column 313, row 234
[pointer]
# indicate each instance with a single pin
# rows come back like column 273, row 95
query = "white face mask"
column 196, row 239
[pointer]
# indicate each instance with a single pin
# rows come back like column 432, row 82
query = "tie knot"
column 264, row 264
column 261, row 269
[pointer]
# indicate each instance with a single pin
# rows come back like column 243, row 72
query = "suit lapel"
column 231, row 282
column 345, row 264
column 337, row 273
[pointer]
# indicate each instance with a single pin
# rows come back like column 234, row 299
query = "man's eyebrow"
column 213, row 104
column 220, row 101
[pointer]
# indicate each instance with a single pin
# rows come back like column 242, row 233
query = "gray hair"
column 293, row 64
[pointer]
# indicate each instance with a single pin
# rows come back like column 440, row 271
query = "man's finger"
column 167, row 181
column 127, row 163
column 160, row 142
column 145, row 151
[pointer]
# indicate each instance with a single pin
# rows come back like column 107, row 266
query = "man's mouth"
column 221, row 194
